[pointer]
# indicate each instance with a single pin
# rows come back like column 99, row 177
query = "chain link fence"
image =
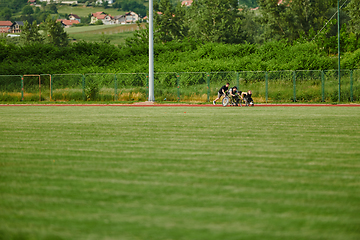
column 10, row 88
column 267, row 87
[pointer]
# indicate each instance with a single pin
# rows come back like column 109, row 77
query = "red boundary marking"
column 177, row 105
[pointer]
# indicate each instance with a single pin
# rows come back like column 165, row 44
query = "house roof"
column 118, row 16
column 98, row 14
column 68, row 22
column 74, row 15
column 20, row 23
column 5, row 23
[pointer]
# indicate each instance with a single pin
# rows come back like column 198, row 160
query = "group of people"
column 233, row 93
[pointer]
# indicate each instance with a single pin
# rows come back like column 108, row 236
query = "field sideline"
column 179, row 172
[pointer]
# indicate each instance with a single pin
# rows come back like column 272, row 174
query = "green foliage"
column 99, row 22
column 105, row 38
column 30, row 33
column 134, row 6
column 353, row 9
column 53, row 8
column 55, row 33
column 27, row 10
column 5, row 14
column 14, row 5
column 293, row 18
column 169, row 22
column 215, row 21
column 351, row 60
column 105, row 4
column 186, row 56
column 92, row 88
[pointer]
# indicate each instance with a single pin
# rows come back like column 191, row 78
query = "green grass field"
column 179, row 173
column 115, row 33
column 82, row 11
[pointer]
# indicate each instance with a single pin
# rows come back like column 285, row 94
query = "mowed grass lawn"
column 116, row 33
column 179, row 173
column 83, row 11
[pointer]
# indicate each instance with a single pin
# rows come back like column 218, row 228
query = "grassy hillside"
column 115, row 33
column 83, row 11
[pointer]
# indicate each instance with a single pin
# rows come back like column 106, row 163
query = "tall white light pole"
column 339, row 69
column 151, row 53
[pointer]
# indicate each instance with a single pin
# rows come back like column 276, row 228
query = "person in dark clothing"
column 222, row 92
column 235, row 94
column 246, row 96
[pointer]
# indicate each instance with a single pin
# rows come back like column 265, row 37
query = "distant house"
column 5, row 26
column 15, row 27
column 106, row 19
column 69, row 2
column 120, row 19
column 131, row 17
column 67, row 23
column 74, row 17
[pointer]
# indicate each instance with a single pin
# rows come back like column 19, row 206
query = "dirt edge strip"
column 176, row 105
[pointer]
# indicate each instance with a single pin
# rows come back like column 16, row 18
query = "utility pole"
column 151, row 53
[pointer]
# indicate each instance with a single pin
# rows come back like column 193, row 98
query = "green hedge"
column 186, row 56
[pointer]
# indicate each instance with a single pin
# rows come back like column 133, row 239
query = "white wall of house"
column 101, row 1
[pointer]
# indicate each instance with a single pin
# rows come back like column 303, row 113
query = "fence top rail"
column 10, row 75
column 132, row 73
column 142, row 73
column 67, row 74
column 308, row 70
column 251, row 71
column 165, row 72
column 100, row 74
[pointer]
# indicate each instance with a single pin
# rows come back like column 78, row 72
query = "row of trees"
column 50, row 32
column 211, row 35
column 224, row 21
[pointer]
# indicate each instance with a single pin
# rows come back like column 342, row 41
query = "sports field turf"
column 179, row 173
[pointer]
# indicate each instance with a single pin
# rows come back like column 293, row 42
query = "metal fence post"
column 147, row 86
column 83, row 87
column 322, row 86
column 22, row 88
column 178, row 86
column 351, row 86
column 266, row 86
column 294, row 84
column 51, row 95
column 237, row 80
column 39, row 88
column 208, row 87
column 115, row 90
